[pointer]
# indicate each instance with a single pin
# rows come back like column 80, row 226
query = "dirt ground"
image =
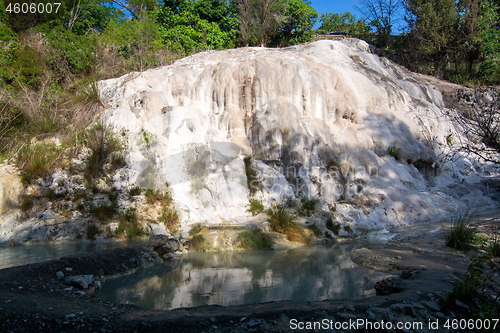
column 33, row 299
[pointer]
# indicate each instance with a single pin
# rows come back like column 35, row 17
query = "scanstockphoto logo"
column 198, row 162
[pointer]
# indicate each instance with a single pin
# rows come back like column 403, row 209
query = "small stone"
column 60, row 275
column 69, row 269
column 254, row 323
column 213, row 320
column 243, row 319
column 81, row 293
column 88, row 279
column 79, row 282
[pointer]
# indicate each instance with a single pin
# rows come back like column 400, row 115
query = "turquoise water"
column 234, row 278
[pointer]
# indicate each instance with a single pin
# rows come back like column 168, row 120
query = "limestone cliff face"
column 327, row 119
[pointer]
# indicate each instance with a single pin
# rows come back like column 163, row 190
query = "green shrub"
column 169, row 217
column 199, row 243
column 333, row 226
column 314, row 228
column 130, row 224
column 308, row 207
column 36, row 160
column 494, row 248
column 252, row 175
column 479, row 289
column 256, row 207
column 479, row 239
column 195, row 229
column 254, row 239
column 158, row 196
column 104, row 212
column 460, row 235
column 282, row 222
column 135, row 191
column 103, row 144
column 92, row 231
column 393, row 151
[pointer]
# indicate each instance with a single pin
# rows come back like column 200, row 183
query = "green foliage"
column 393, row 151
column 254, row 239
column 333, row 226
column 345, row 22
column 195, row 229
column 135, row 191
column 130, row 224
column 493, row 248
column 256, row 207
column 92, row 231
column 479, row 289
column 148, row 138
column 479, row 239
column 196, row 26
column 104, row 212
column 252, row 176
column 104, row 144
column 169, row 217
column 199, row 243
column 164, row 198
column 298, row 24
column 35, row 160
column 308, row 207
column 283, row 223
column 460, row 235
column 314, row 228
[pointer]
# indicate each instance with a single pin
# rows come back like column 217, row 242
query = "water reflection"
column 232, row 278
column 17, row 255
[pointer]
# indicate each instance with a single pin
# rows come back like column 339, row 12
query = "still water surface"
column 17, row 255
column 233, row 278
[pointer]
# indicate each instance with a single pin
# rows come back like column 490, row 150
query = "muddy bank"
column 35, row 297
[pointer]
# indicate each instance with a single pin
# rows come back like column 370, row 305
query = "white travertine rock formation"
column 331, row 119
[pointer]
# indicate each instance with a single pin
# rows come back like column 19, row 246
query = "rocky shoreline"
column 36, row 298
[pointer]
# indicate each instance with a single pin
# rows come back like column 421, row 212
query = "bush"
column 333, row 226
column 494, row 248
column 157, row 196
column 169, row 217
column 92, row 231
column 129, row 223
column 308, row 207
column 199, row 243
column 256, row 207
column 314, row 228
column 103, row 143
column 282, row 222
column 104, row 212
column 36, row 160
column 252, row 175
column 254, row 239
column 479, row 289
column 195, row 229
column 460, row 235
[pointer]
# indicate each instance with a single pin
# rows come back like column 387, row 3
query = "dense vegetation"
column 49, row 63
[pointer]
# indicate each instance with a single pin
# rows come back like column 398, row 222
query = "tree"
column 381, row 13
column 433, row 28
column 345, row 22
column 260, row 20
column 299, row 22
column 489, row 38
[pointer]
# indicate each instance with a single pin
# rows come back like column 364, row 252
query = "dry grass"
column 282, row 222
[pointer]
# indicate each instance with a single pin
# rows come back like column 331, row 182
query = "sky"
column 339, row 6
column 335, row 6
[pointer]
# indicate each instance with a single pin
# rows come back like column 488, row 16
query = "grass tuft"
column 282, row 222
column 254, row 239
column 314, row 228
column 494, row 248
column 256, row 207
column 460, row 235
column 308, row 207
